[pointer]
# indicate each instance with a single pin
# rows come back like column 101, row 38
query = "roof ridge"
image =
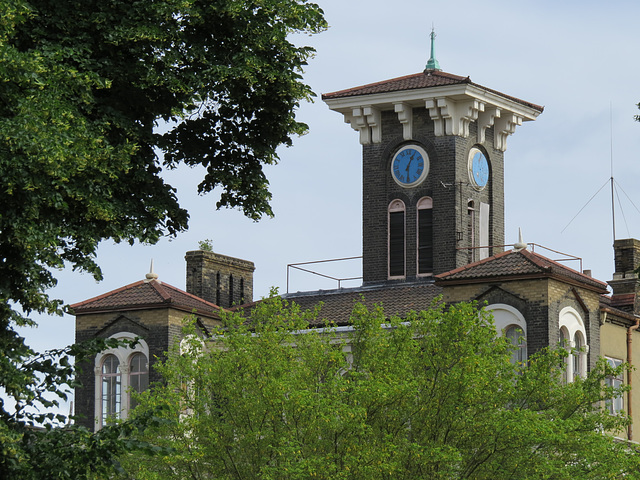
column 159, row 288
column 195, row 297
column 107, row 294
column 559, row 265
column 451, row 76
column 476, row 263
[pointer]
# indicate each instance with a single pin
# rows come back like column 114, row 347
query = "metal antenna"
column 613, row 208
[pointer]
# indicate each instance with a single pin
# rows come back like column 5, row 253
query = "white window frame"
column 506, row 316
column 615, row 405
column 572, row 323
column 123, row 354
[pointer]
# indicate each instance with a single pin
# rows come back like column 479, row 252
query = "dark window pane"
column 425, row 240
column 396, row 244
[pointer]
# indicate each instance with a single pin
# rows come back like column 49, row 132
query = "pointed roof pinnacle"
column 151, row 275
column 520, row 245
column 433, row 64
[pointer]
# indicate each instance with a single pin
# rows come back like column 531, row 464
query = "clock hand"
column 409, row 164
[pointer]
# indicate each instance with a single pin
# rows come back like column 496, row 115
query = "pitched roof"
column 426, row 79
column 518, row 265
column 145, row 295
column 337, row 305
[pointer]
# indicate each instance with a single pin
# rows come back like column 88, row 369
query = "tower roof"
column 518, row 265
column 453, row 103
column 145, row 295
column 418, row 81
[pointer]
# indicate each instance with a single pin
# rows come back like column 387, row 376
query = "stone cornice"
column 452, row 108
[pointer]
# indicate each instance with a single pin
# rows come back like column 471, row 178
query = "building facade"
column 433, row 153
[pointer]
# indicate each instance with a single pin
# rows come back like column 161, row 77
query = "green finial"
column 433, row 64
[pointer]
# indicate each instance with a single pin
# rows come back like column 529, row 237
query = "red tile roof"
column 516, row 265
column 337, row 305
column 144, row 295
column 426, row 79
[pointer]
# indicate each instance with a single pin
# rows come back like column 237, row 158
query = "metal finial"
column 433, row 64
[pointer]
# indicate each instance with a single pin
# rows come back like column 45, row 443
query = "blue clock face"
column 478, row 168
column 410, row 166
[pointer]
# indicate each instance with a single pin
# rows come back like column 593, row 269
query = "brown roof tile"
column 146, row 295
column 425, row 79
column 337, row 305
column 514, row 264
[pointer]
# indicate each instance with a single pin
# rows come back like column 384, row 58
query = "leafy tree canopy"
column 83, row 86
column 433, row 396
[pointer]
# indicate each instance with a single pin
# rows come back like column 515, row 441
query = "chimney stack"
column 219, row 279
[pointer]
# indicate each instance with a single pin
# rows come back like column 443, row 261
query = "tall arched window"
column 118, row 371
column 397, row 239
column 515, row 334
column 425, row 236
column 111, row 387
column 138, row 375
column 573, row 336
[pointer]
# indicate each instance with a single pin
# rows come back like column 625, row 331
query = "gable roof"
column 518, row 265
column 426, row 79
column 146, row 295
column 337, row 305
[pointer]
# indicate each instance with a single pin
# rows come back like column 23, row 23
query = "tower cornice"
column 452, row 107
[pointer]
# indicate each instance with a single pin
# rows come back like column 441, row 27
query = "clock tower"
column 433, row 170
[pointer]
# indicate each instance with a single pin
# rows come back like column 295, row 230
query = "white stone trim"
column 451, row 107
column 367, row 121
column 405, row 116
column 123, row 354
column 572, row 323
column 501, row 322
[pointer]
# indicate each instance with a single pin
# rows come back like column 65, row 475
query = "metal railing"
column 296, row 266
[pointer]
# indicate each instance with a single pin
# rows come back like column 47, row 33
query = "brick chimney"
column 220, row 279
column 625, row 283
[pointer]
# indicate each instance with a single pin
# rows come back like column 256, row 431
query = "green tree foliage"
column 430, row 396
column 83, row 87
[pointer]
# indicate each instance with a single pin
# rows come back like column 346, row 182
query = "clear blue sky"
column 575, row 58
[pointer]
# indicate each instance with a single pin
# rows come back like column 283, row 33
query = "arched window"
column 118, row 370
column 573, row 336
column 516, row 336
column 111, row 388
column 396, row 239
column 510, row 322
column 138, row 375
column 579, row 370
column 425, row 236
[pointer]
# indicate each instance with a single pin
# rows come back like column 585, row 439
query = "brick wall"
column 540, row 302
column 447, row 184
column 219, row 279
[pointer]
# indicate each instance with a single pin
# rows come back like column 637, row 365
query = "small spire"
column 520, row 245
column 151, row 275
column 433, row 64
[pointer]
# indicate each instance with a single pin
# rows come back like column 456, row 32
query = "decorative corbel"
column 433, row 105
column 374, row 122
column 366, row 121
column 486, row 119
column 505, row 126
column 405, row 116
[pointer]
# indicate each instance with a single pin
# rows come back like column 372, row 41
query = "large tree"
column 434, row 395
column 83, row 87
